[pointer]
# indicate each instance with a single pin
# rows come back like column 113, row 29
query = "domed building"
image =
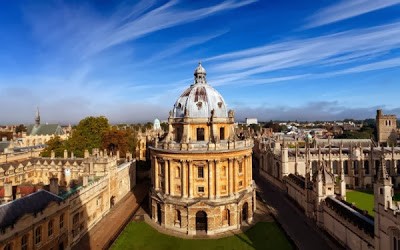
column 201, row 171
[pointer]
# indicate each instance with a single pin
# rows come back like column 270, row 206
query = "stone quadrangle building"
column 50, row 203
column 201, row 171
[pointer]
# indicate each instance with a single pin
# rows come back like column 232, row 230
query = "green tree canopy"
column 122, row 140
column 20, row 128
column 88, row 134
column 55, row 144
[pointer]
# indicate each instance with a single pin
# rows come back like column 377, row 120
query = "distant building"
column 38, row 133
column 250, row 121
column 386, row 127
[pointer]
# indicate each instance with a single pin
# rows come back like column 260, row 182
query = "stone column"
column 230, row 176
column 156, row 175
column 183, row 180
column 249, row 169
column 166, row 179
column 234, row 174
column 217, row 176
column 210, row 180
column 190, row 184
column 169, row 177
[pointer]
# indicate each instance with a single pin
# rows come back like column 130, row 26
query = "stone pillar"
column 54, row 186
column 190, row 184
column 230, row 176
column 184, row 179
column 210, row 180
column 234, row 174
column 52, row 154
column 85, row 180
column 217, row 176
column 86, row 154
column 8, row 194
column 166, row 177
column 156, row 175
column 72, row 154
column 65, row 154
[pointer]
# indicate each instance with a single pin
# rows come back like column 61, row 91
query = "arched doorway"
column 245, row 210
column 159, row 217
column 201, row 221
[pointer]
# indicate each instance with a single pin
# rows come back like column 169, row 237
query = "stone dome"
column 200, row 99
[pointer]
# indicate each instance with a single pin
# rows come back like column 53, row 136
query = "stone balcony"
column 223, row 145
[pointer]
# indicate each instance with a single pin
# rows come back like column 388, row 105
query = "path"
column 292, row 220
column 104, row 232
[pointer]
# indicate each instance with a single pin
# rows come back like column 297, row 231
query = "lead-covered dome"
column 200, row 99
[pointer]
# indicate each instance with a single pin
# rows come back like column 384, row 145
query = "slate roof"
column 31, row 204
column 44, row 129
column 4, row 145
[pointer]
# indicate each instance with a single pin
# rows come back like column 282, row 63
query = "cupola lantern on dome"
column 200, row 75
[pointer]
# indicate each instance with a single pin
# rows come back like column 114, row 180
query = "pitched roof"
column 30, row 204
column 44, row 129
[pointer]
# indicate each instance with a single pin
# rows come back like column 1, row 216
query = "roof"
column 200, row 99
column 44, row 129
column 31, row 204
column 4, row 145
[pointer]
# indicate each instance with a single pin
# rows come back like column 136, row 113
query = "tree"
column 54, row 144
column 119, row 140
column 164, row 126
column 20, row 128
column 88, row 134
column 8, row 135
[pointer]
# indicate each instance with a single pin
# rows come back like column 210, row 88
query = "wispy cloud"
column 344, row 52
column 89, row 34
column 182, row 45
column 346, row 9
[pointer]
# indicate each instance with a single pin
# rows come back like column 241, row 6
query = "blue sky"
column 130, row 60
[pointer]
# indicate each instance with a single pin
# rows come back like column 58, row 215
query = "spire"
column 37, row 117
column 383, row 176
column 200, row 75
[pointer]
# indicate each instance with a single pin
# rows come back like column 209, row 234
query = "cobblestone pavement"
column 298, row 227
column 101, row 235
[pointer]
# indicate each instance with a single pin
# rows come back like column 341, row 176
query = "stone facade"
column 321, row 193
column 359, row 163
column 86, row 188
column 386, row 127
column 201, row 171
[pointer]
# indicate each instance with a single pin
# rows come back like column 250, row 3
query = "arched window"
column 177, row 218
column 50, row 228
column 366, row 167
column 8, row 246
column 395, row 239
column 335, row 167
column 226, row 217
column 200, row 134
column 24, row 242
column 346, row 167
column 38, row 235
column 222, row 133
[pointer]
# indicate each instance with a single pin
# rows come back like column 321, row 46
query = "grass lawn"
column 364, row 201
column 264, row 235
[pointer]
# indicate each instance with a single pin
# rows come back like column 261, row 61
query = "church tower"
column 37, row 118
